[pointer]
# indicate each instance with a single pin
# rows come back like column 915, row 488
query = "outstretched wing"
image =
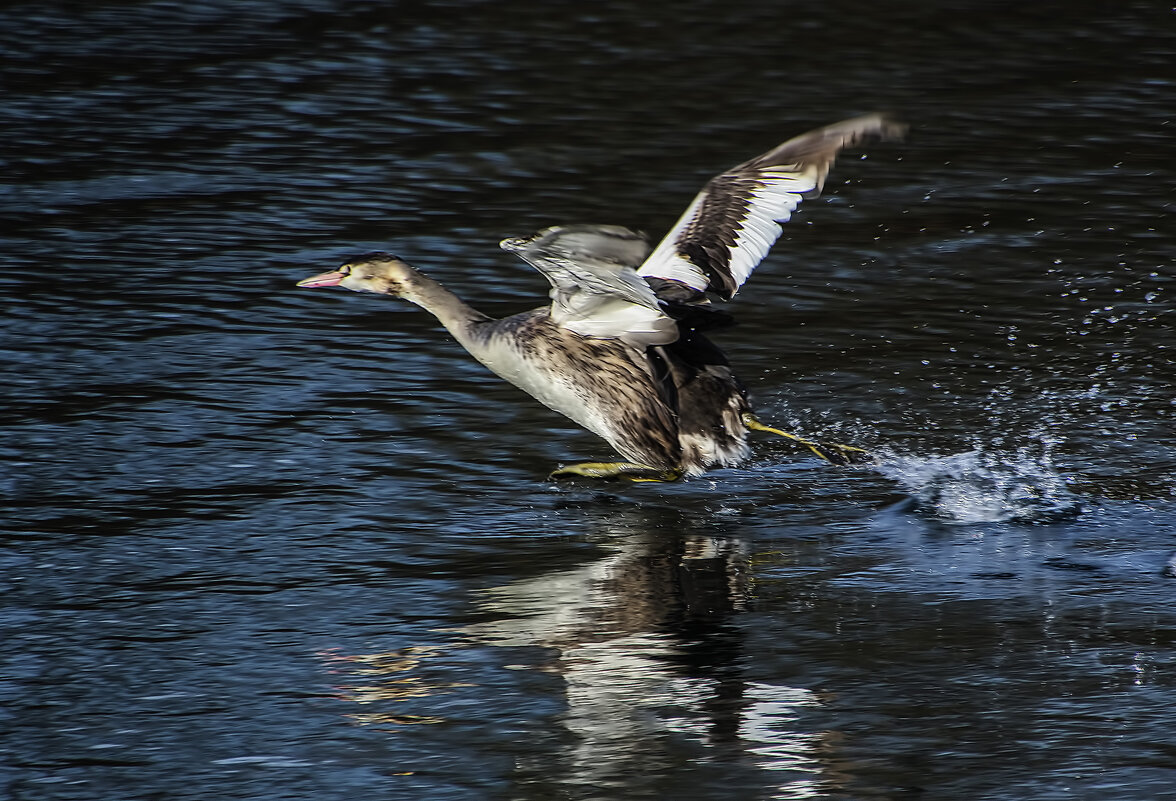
column 735, row 219
column 595, row 290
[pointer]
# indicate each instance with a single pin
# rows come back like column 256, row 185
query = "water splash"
column 978, row 486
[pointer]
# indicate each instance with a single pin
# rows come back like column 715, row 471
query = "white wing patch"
column 613, row 318
column 667, row 262
column 771, row 205
column 738, row 240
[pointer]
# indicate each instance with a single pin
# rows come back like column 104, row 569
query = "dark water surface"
column 268, row 543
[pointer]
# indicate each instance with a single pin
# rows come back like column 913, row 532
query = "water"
column 268, row 543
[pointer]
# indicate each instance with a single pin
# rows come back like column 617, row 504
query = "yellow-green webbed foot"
column 615, row 470
column 829, row 451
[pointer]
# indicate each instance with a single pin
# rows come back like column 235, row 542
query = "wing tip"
column 884, row 125
column 820, row 146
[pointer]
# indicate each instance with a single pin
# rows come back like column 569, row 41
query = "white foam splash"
column 981, row 487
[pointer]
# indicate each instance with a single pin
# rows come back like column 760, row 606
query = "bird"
column 621, row 348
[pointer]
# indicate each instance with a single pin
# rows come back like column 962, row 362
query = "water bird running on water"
column 620, row 349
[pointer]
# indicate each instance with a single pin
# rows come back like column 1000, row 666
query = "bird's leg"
column 611, row 470
column 829, row 451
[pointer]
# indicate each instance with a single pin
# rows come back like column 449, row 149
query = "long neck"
column 456, row 315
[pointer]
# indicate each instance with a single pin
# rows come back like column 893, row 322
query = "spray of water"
column 979, row 486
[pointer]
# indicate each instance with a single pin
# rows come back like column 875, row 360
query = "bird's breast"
column 598, row 383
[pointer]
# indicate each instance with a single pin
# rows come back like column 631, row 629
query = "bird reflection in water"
column 391, row 678
column 647, row 643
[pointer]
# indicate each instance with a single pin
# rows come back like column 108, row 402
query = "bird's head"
column 381, row 273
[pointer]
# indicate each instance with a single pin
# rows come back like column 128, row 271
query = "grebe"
column 620, row 348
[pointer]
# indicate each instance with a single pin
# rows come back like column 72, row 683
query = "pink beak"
column 326, row 279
